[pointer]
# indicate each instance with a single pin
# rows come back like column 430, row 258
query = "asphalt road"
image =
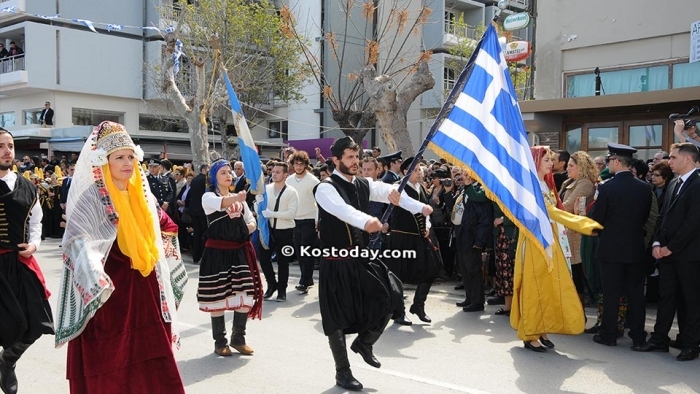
column 458, row 353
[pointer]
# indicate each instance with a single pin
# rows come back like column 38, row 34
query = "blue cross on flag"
column 485, row 131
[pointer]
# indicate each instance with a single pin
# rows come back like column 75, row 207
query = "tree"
column 377, row 80
column 465, row 45
column 246, row 38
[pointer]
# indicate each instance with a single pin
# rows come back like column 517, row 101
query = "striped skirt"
column 225, row 281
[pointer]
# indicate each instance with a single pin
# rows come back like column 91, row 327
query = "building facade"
column 641, row 49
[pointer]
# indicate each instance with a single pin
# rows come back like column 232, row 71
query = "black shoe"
column 650, row 347
column 538, row 349
column 496, row 300
column 344, row 379
column 303, row 289
column 592, row 330
column 8, row 379
column 602, row 341
column 281, row 297
column 463, row 303
column 503, row 312
column 459, row 287
column 271, row 289
column 420, row 312
column 366, row 352
column 676, row 344
column 546, row 342
column 688, row 354
column 474, row 308
column 403, row 320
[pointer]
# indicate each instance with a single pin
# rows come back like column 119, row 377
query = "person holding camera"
column 689, row 127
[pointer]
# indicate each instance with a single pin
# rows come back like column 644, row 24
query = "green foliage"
column 262, row 62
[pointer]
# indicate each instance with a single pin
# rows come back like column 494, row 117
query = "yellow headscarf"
column 135, row 231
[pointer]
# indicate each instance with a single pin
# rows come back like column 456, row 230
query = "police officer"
column 622, row 207
column 393, row 167
column 160, row 186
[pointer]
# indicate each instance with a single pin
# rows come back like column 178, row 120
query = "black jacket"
column 477, row 222
column 622, row 208
column 678, row 225
column 194, row 197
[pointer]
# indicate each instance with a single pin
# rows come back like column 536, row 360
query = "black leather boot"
column 271, row 289
column 418, row 307
column 8, row 361
column 343, row 374
column 363, row 346
column 238, row 336
column 218, row 330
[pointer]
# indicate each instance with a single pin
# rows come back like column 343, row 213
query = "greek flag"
column 485, row 131
column 250, row 159
column 177, row 53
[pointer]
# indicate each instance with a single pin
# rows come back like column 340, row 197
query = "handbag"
column 186, row 217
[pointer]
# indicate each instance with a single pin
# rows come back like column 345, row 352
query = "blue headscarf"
column 215, row 167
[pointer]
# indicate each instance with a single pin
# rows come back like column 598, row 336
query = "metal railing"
column 11, row 64
column 456, row 29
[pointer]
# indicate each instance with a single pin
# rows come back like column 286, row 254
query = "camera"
column 687, row 122
column 446, row 182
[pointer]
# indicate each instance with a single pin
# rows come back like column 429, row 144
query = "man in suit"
column 677, row 249
column 242, row 183
column 393, row 163
column 46, row 117
column 166, row 175
column 65, row 186
column 160, row 187
column 199, row 219
column 622, row 208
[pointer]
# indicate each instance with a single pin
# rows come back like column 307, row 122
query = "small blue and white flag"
column 86, row 23
column 485, row 131
column 151, row 28
column 169, row 29
column 176, row 56
column 250, row 159
column 10, row 10
column 49, row 17
column 112, row 27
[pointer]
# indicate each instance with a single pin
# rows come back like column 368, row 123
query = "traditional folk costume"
column 355, row 295
column 25, row 313
column 407, row 232
column 123, row 278
column 544, row 296
column 229, row 278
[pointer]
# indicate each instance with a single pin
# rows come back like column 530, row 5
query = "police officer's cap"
column 620, row 150
column 392, row 157
column 154, row 162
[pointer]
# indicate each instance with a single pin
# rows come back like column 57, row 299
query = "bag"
column 185, row 217
column 458, row 210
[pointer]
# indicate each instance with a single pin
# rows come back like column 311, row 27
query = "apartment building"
column 641, row 49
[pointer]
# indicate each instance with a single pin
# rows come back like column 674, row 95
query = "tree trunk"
column 193, row 115
column 391, row 108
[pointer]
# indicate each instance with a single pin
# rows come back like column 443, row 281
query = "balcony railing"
column 11, row 64
column 454, row 28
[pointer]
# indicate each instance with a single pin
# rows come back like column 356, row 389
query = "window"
column 159, row 123
column 277, row 129
column 7, row 119
column 598, row 138
column 450, row 22
column 573, row 139
column 31, row 116
column 643, row 79
column 646, row 139
column 686, row 75
column 89, row 117
column 449, row 78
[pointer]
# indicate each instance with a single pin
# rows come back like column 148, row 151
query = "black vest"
column 15, row 207
column 402, row 220
column 333, row 231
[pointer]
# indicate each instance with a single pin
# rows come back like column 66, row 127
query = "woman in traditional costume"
column 123, row 276
column 544, row 296
column 229, row 278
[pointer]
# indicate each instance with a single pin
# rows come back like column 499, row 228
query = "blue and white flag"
column 113, row 27
column 176, row 56
column 86, row 23
column 11, row 10
column 169, row 29
column 485, row 131
column 250, row 159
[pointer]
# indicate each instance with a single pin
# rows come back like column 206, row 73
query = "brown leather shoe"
column 243, row 349
column 224, row 351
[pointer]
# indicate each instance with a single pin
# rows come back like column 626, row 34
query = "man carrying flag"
column 484, row 130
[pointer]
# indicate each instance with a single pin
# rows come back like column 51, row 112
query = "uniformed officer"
column 159, row 185
column 393, row 167
column 622, row 208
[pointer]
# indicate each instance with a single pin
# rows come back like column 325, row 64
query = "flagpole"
column 446, row 108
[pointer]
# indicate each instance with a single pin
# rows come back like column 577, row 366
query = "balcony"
column 12, row 72
column 454, row 33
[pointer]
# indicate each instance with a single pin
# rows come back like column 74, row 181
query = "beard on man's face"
column 5, row 167
column 346, row 170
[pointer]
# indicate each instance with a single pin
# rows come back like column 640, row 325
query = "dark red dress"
column 126, row 346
